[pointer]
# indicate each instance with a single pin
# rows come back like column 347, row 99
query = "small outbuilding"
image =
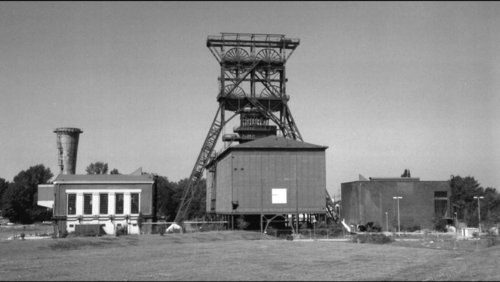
column 268, row 176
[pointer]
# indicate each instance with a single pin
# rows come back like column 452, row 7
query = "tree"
column 19, row 201
column 463, row 190
column 197, row 207
column 462, row 200
column 3, row 186
column 490, row 207
column 16, row 203
column 97, row 168
column 114, row 171
column 170, row 195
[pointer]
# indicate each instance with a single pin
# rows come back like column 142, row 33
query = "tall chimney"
column 67, row 147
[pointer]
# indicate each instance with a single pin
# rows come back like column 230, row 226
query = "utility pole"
column 386, row 222
column 397, row 198
column 479, row 212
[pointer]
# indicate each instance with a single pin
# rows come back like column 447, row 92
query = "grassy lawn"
column 238, row 255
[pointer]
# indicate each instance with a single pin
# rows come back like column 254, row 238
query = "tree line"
column 18, row 199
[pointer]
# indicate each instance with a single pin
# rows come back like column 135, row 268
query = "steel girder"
column 251, row 59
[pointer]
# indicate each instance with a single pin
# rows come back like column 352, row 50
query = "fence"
column 309, row 233
column 329, row 233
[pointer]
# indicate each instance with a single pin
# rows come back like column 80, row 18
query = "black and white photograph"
column 249, row 140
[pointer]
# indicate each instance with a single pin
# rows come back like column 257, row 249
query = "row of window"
column 103, row 203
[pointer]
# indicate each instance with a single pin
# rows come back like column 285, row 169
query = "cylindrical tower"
column 67, row 147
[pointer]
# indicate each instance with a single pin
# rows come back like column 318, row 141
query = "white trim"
column 47, row 203
column 79, row 203
column 111, row 203
column 126, row 203
column 95, row 194
column 102, row 182
column 95, row 203
column 104, row 190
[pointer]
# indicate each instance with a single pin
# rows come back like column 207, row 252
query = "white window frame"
column 96, row 200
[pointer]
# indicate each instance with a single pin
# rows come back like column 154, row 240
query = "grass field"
column 239, row 255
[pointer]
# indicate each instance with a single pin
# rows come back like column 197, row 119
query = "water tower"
column 67, row 147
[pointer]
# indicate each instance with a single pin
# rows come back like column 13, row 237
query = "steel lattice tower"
column 252, row 84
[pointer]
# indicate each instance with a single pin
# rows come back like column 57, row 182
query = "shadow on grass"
column 75, row 243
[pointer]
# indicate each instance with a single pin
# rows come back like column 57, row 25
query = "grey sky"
column 386, row 85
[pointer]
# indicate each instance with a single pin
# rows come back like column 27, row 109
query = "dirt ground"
column 238, row 255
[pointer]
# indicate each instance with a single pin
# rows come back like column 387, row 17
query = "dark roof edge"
column 229, row 149
column 395, row 180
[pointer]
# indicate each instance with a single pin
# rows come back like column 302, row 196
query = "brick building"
column 421, row 202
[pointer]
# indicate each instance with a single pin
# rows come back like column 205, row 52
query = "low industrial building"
column 268, row 177
column 377, row 199
column 96, row 203
column 107, row 202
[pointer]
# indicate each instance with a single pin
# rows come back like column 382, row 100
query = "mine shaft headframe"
column 250, row 46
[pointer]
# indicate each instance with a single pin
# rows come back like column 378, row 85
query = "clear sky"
column 387, row 86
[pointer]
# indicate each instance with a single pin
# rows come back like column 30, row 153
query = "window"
column 441, row 203
column 119, row 203
column 134, row 203
column 278, row 196
column 87, row 203
column 103, row 203
column 71, row 204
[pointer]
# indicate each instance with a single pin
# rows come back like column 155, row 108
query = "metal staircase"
column 199, row 167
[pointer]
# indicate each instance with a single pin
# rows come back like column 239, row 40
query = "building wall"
column 210, row 191
column 249, row 177
column 367, row 201
column 223, row 182
column 45, row 195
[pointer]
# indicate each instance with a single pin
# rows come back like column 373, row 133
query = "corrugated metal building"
column 420, row 204
column 111, row 201
column 270, row 175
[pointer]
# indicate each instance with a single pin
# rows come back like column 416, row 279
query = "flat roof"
column 277, row 142
column 102, row 178
column 394, row 179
